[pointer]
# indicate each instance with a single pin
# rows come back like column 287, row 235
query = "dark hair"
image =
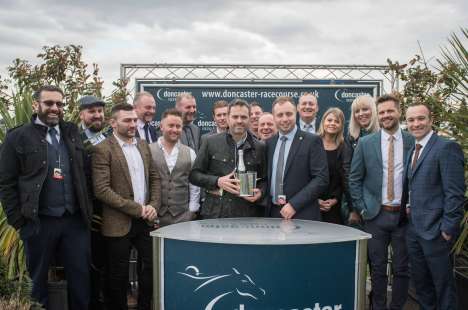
column 239, row 103
column 428, row 107
column 171, row 111
column 121, row 107
column 219, row 104
column 282, row 99
column 388, row 97
column 37, row 94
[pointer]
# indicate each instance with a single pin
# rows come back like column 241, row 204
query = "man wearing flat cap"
column 92, row 133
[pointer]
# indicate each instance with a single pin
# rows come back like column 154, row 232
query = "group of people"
column 83, row 196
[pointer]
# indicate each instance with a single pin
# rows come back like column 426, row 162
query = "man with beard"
column 255, row 112
column 173, row 160
column 375, row 185
column 307, row 109
column 91, row 127
column 43, row 191
column 216, row 163
column 266, row 126
column 129, row 187
column 187, row 105
column 145, row 108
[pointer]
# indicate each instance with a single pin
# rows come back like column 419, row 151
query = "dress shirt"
column 423, row 143
column 302, row 124
column 136, row 169
column 171, row 160
column 287, row 146
column 141, row 131
column 57, row 127
column 398, row 166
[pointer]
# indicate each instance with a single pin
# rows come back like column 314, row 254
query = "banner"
column 330, row 93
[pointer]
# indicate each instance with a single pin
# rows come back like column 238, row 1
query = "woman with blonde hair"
column 339, row 159
column 363, row 120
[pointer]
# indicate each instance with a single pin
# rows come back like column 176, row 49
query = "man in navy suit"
column 145, row 108
column 434, row 195
column 376, row 183
column 297, row 167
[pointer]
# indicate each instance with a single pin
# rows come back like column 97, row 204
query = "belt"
column 391, row 208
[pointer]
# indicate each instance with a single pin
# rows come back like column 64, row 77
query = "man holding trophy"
column 231, row 168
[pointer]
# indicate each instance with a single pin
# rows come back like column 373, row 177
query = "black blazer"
column 305, row 175
column 153, row 133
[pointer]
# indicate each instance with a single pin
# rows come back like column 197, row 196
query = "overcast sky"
column 209, row 31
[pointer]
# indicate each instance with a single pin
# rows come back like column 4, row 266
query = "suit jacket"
column 113, row 186
column 365, row 177
column 196, row 136
column 305, row 175
column 435, row 188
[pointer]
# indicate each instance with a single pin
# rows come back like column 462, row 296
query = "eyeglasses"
column 50, row 103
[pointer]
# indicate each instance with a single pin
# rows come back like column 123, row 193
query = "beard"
column 96, row 126
column 46, row 118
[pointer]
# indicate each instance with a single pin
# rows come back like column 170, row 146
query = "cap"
column 90, row 101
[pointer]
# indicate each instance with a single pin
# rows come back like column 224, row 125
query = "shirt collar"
column 140, row 123
column 161, row 145
column 39, row 122
column 425, row 140
column 302, row 123
column 290, row 135
column 123, row 143
column 397, row 135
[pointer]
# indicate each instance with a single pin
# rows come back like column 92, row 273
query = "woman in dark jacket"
column 339, row 159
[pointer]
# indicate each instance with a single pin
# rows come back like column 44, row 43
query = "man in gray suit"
column 433, row 196
column 376, row 183
column 187, row 105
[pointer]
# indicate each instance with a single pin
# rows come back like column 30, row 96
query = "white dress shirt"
column 136, row 169
column 171, row 160
column 141, row 131
column 303, row 124
column 397, row 164
column 423, row 144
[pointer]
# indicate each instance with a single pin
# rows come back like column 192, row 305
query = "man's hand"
column 149, row 213
column 287, row 211
column 325, row 205
column 446, row 236
column 229, row 183
column 354, row 218
column 255, row 197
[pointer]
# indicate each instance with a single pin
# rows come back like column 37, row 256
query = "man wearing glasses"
column 44, row 194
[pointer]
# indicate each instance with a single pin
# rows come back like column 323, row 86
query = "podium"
column 259, row 263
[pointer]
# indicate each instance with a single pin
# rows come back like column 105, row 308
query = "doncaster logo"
column 234, row 283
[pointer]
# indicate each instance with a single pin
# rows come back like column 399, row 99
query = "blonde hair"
column 354, row 128
column 340, row 116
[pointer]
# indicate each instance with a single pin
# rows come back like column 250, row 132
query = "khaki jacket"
column 113, row 186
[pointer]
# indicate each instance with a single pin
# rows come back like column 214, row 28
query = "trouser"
column 118, row 256
column 66, row 238
column 385, row 231
column 97, row 270
column 432, row 271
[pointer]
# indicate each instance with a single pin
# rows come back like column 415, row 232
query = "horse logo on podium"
column 223, row 285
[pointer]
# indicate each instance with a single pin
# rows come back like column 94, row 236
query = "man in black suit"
column 145, row 108
column 294, row 188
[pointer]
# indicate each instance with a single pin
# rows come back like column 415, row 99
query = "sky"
column 238, row 32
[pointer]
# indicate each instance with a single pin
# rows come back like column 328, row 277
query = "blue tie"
column 53, row 138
